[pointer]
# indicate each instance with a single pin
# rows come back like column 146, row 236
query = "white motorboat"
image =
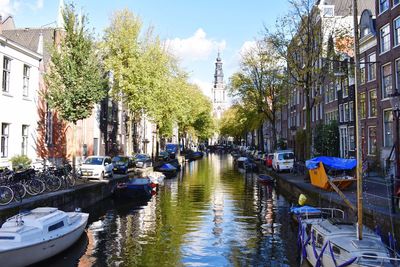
column 156, row 177
column 39, row 234
column 326, row 239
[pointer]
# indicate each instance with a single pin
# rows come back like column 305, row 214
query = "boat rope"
column 347, row 263
column 321, row 254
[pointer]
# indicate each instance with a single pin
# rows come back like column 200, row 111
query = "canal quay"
column 210, row 215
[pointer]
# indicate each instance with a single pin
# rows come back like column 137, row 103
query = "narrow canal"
column 211, row 215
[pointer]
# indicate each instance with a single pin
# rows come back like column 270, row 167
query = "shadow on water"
column 210, row 215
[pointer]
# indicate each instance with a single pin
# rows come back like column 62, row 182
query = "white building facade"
column 18, row 100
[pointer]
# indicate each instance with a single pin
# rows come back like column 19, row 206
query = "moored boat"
column 36, row 235
column 194, row 155
column 167, row 169
column 265, row 179
column 156, row 177
column 136, row 187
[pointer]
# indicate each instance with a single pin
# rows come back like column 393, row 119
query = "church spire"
column 219, row 74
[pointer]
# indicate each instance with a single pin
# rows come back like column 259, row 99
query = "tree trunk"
column 261, row 138
column 308, row 129
column 274, row 135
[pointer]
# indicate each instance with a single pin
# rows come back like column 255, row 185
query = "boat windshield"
column 94, row 161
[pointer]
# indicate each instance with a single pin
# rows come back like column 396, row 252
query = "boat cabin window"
column 336, row 250
column 7, row 237
column 320, row 240
column 56, row 226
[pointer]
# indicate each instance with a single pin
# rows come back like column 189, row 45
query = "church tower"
column 219, row 97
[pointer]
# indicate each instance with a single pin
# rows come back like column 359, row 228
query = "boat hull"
column 41, row 251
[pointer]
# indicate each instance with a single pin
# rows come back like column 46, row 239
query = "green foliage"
column 149, row 80
column 20, row 162
column 326, row 139
column 75, row 80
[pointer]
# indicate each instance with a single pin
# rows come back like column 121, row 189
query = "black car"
column 122, row 164
column 142, row 161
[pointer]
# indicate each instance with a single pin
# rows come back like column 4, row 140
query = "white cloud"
column 196, row 47
column 8, row 7
column 39, row 4
column 246, row 47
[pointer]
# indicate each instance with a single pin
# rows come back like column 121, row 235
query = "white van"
column 283, row 160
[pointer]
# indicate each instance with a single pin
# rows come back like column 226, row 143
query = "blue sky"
column 194, row 29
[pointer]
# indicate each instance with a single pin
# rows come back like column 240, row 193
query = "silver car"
column 97, row 167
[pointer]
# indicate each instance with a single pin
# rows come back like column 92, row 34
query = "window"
column 387, row 128
column 383, row 5
column 5, row 130
column 352, row 143
column 385, row 38
column 351, row 110
column 24, row 145
column 386, row 80
column 371, row 67
column 372, row 140
column 346, row 112
column 362, row 71
column 56, row 226
column 6, row 74
column 345, row 87
column 340, row 113
column 343, row 142
column 396, row 2
column 397, row 65
column 329, row 11
column 25, row 89
column 49, row 127
column 362, row 106
column 372, row 103
column 396, row 29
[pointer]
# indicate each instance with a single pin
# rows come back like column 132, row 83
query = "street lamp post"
column 395, row 103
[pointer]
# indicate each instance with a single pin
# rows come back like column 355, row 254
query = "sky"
column 195, row 30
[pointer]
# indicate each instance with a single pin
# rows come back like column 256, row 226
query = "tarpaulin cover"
column 332, row 162
column 167, row 167
column 304, row 210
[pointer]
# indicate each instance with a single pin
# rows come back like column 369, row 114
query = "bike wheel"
column 53, row 183
column 35, row 187
column 6, row 195
column 19, row 191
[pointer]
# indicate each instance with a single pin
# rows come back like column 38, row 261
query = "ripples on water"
column 211, row 215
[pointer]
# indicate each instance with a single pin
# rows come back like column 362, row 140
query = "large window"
column 387, row 128
column 397, row 65
column 362, row 106
column 346, row 112
column 26, row 73
column 372, row 111
column 362, row 71
column 372, row 140
column 371, row 67
column 24, row 144
column 396, row 29
column 5, row 130
column 352, row 143
column 396, row 2
column 386, row 80
column 6, row 74
column 383, row 5
column 351, row 110
column 341, row 113
column 385, row 38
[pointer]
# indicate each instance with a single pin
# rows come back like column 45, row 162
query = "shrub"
column 21, row 162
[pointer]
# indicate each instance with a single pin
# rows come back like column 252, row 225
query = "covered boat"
column 265, row 179
column 167, row 169
column 39, row 234
column 136, row 187
column 325, row 171
column 241, row 162
column 194, row 155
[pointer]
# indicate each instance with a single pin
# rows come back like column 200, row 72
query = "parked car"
column 97, row 167
column 142, row 160
column 268, row 160
column 283, row 160
column 123, row 164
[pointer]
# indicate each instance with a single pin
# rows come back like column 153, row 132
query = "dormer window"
column 328, row 11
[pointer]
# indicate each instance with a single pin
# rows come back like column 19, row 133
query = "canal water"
column 211, row 215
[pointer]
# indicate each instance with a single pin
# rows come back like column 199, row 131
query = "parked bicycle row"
column 16, row 185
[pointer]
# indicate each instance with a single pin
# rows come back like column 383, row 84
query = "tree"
column 75, row 79
column 260, row 84
column 326, row 139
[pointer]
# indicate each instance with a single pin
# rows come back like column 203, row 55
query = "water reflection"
column 211, row 215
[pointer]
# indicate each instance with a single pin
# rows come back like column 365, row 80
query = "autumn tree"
column 260, row 84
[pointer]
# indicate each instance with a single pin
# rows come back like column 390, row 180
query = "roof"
column 344, row 7
column 29, row 38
